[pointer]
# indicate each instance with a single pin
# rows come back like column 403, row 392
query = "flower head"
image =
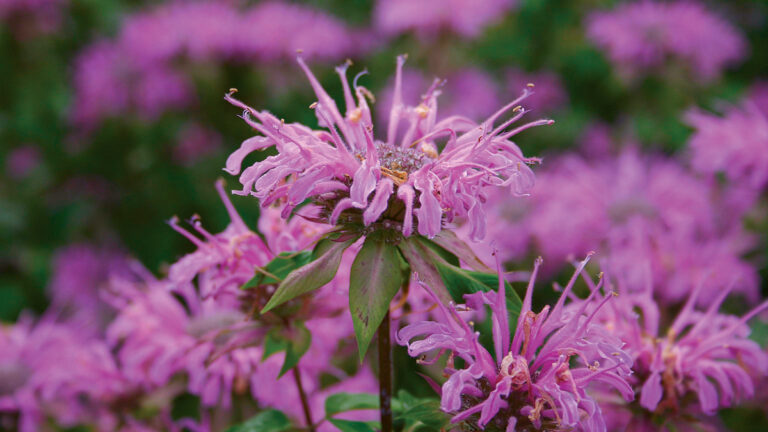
column 703, row 361
column 735, row 144
column 642, row 36
column 400, row 181
column 537, row 377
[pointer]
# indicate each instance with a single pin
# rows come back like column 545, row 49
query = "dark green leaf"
column 422, row 262
column 343, row 402
column 354, row 426
column 426, row 412
column 274, row 343
column 459, row 282
column 448, row 240
column 374, row 280
column 311, row 276
column 280, row 267
column 267, row 421
column 298, row 345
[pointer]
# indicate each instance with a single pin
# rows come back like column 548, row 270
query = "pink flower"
column 21, row 161
column 642, row 36
column 428, row 17
column 53, row 372
column 635, row 210
column 704, row 354
column 81, row 273
column 138, row 72
column 735, row 144
column 400, row 181
column 537, row 377
column 32, row 17
column 195, row 142
column 548, row 92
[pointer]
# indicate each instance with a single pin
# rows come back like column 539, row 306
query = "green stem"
column 385, row 375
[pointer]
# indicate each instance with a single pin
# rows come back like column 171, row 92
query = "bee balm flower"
column 403, row 180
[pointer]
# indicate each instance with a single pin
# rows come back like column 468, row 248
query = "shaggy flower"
column 535, row 379
column 634, row 209
column 702, row 362
column 735, row 144
column 139, row 72
column 549, row 94
column 397, row 181
column 80, row 273
column 428, row 17
column 52, row 371
column 641, row 36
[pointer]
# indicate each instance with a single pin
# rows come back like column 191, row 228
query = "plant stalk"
column 304, row 401
column 385, row 374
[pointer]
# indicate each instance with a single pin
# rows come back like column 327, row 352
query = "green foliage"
column 310, row 276
column 267, row 421
column 343, row 402
column 295, row 341
column 278, row 268
column 374, row 280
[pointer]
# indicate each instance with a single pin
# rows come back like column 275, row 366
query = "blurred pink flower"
column 195, row 142
column 21, row 161
column 466, row 18
column 548, row 93
column 735, row 144
column 80, row 274
column 642, row 36
column 138, row 72
column 32, row 17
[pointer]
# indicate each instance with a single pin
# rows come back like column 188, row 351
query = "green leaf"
column 297, row 347
column 267, row 421
column 448, row 240
column 354, row 426
column 459, row 282
column 421, row 259
column 280, row 267
column 311, row 276
column 374, row 280
column 426, row 412
column 343, row 402
column 273, row 344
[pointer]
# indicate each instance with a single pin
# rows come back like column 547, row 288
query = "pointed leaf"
column 273, row 344
column 354, row 426
column 297, row 346
column 280, row 267
column 422, row 261
column 267, row 421
column 343, row 402
column 459, row 282
column 448, row 240
column 374, row 280
column 311, row 276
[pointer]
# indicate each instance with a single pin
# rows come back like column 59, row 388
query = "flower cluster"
column 138, row 73
column 633, row 209
column 701, row 362
column 642, row 36
column 735, row 144
column 403, row 179
column 537, row 377
column 429, row 17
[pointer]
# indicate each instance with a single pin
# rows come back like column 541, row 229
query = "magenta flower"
column 642, row 36
column 54, row 372
column 549, row 92
column 139, row 72
column 81, row 273
column 735, row 144
column 537, row 377
column 633, row 209
column 21, row 161
column 428, row 17
column 704, row 354
column 402, row 180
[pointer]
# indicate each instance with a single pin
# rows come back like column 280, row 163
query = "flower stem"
column 304, row 401
column 385, row 375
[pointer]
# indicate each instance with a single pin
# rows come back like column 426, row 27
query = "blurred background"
column 112, row 118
